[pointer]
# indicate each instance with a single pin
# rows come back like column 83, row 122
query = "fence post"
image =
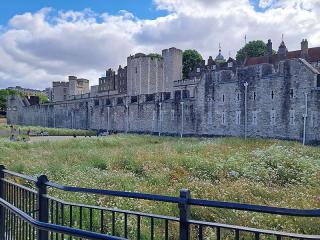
column 184, row 209
column 42, row 205
column 2, row 210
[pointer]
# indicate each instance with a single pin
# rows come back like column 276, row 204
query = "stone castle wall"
column 145, row 75
column 276, row 103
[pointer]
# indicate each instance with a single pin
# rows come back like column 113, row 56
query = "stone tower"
column 304, row 49
column 78, row 86
column 144, row 74
column 172, row 67
column 269, row 51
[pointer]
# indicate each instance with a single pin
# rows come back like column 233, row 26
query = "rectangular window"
column 292, row 117
column 222, row 97
column 238, row 97
column 273, row 117
column 172, row 115
column 238, row 117
column 198, row 70
column 230, row 64
column 255, row 118
column 119, row 100
column 272, row 94
column 291, row 93
column 223, row 118
column 254, row 96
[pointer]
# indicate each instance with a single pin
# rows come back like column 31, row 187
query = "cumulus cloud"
column 37, row 48
column 45, row 46
column 265, row 3
column 202, row 24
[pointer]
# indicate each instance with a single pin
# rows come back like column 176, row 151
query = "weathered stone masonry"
column 276, row 103
column 281, row 100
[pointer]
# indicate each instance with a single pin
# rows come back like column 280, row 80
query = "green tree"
column 252, row 49
column 4, row 93
column 191, row 57
column 43, row 98
column 154, row 55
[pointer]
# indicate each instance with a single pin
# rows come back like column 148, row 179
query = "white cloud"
column 265, row 3
column 38, row 48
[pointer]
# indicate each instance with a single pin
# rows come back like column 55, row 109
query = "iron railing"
column 27, row 212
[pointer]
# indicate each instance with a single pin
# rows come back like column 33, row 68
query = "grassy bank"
column 268, row 172
column 50, row 131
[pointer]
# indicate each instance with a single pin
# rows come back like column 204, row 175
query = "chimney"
column 210, row 61
column 269, row 51
column 304, row 49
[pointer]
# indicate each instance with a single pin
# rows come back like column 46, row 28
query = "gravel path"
column 4, row 132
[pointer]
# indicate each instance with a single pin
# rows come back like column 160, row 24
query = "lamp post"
column 305, row 115
column 160, row 118
column 72, row 120
column 108, row 123
column 54, row 119
column 127, row 123
column 245, row 109
column 182, row 117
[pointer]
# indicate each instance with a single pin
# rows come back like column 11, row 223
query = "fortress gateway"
column 274, row 96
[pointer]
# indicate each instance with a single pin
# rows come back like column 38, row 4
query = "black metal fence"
column 27, row 212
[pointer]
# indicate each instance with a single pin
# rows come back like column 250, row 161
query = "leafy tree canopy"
column 154, row 55
column 191, row 58
column 4, row 93
column 252, row 49
column 43, row 98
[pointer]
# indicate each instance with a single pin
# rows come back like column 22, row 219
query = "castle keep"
column 273, row 96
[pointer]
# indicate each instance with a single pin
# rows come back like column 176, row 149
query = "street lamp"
column 182, row 116
column 127, row 124
column 305, row 115
column 245, row 109
column 108, row 123
column 160, row 118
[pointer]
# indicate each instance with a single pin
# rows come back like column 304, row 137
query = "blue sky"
column 143, row 9
column 48, row 40
column 140, row 8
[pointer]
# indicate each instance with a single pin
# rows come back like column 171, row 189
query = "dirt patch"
column 3, row 120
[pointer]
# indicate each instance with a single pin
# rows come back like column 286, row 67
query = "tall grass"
column 268, row 172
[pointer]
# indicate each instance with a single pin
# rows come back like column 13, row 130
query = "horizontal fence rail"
column 28, row 212
column 24, row 217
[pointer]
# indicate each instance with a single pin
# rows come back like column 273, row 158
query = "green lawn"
column 50, row 131
column 268, row 172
